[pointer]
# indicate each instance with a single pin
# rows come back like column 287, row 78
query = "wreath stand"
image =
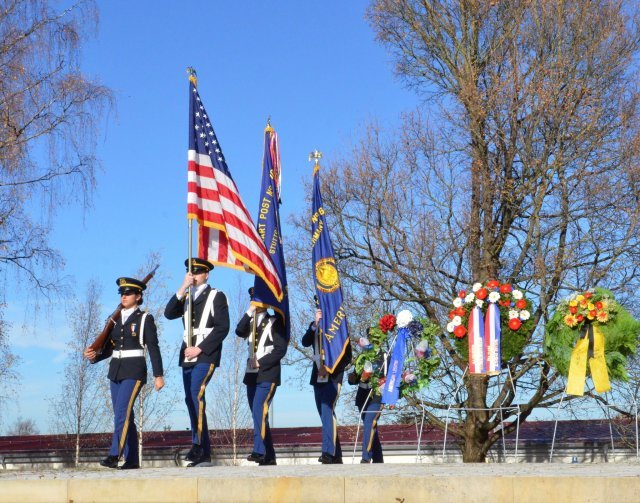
column 422, row 407
column 501, row 408
column 606, row 407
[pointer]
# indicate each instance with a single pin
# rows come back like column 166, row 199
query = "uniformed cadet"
column 262, row 376
column 199, row 357
column 370, row 407
column 326, row 390
column 132, row 332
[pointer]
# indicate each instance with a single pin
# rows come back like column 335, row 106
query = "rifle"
column 101, row 341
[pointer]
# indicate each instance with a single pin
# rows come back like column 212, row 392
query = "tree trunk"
column 474, row 446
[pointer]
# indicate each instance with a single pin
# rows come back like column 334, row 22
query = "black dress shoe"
column 267, row 462
column 363, row 461
column 110, row 462
column 199, row 461
column 194, row 453
column 337, row 461
column 129, row 466
column 255, row 457
column 326, row 459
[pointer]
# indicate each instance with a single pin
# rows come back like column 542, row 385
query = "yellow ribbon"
column 597, row 363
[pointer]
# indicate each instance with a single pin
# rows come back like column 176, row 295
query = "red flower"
column 493, row 284
column 580, row 318
column 514, row 323
column 452, row 315
column 599, row 305
column 588, row 295
column 462, row 294
column 482, row 293
column 387, row 322
column 459, row 331
column 521, row 304
column 573, row 309
column 459, row 311
column 505, row 288
column 505, row 303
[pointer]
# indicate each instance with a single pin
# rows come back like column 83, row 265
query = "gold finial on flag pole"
column 316, row 155
column 268, row 126
column 191, row 71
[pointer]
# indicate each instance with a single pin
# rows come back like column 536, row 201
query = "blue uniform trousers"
column 125, row 434
column 195, row 380
column 326, row 395
column 371, row 446
column 259, row 397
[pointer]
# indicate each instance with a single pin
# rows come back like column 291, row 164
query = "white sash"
column 202, row 331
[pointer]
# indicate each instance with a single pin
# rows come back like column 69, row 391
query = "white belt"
column 127, row 353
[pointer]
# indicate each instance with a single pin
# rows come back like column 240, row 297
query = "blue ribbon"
column 391, row 391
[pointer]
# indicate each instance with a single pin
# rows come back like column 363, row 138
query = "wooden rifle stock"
column 100, row 342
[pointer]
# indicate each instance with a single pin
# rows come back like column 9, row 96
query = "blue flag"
column 269, row 229
column 333, row 326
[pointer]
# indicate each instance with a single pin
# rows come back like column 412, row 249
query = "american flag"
column 227, row 235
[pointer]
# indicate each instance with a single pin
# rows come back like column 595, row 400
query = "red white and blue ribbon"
column 492, row 335
column 475, row 329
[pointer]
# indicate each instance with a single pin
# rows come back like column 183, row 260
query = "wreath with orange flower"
column 596, row 307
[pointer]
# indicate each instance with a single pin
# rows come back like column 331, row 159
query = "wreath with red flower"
column 515, row 315
column 420, row 362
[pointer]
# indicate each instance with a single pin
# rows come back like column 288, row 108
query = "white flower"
column 525, row 315
column 404, row 318
column 517, row 294
column 469, row 298
column 479, row 302
column 456, row 321
column 513, row 314
column 424, row 345
column 476, row 287
column 494, row 297
column 450, row 327
column 457, row 302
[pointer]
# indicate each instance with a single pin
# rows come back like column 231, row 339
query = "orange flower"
column 602, row 316
column 570, row 320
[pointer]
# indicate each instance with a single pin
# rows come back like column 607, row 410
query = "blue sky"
column 313, row 67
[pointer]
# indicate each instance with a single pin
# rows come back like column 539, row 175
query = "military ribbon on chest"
column 133, row 329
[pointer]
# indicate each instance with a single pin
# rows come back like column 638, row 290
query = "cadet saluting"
column 199, row 357
column 131, row 332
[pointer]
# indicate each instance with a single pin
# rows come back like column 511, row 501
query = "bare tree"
column 49, row 113
column 22, row 427
column 8, row 361
column 228, row 407
column 82, row 406
column 522, row 165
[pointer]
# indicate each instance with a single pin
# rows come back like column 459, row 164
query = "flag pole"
column 189, row 321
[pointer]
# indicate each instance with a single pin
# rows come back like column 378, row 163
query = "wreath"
column 597, row 308
column 421, row 359
column 515, row 316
